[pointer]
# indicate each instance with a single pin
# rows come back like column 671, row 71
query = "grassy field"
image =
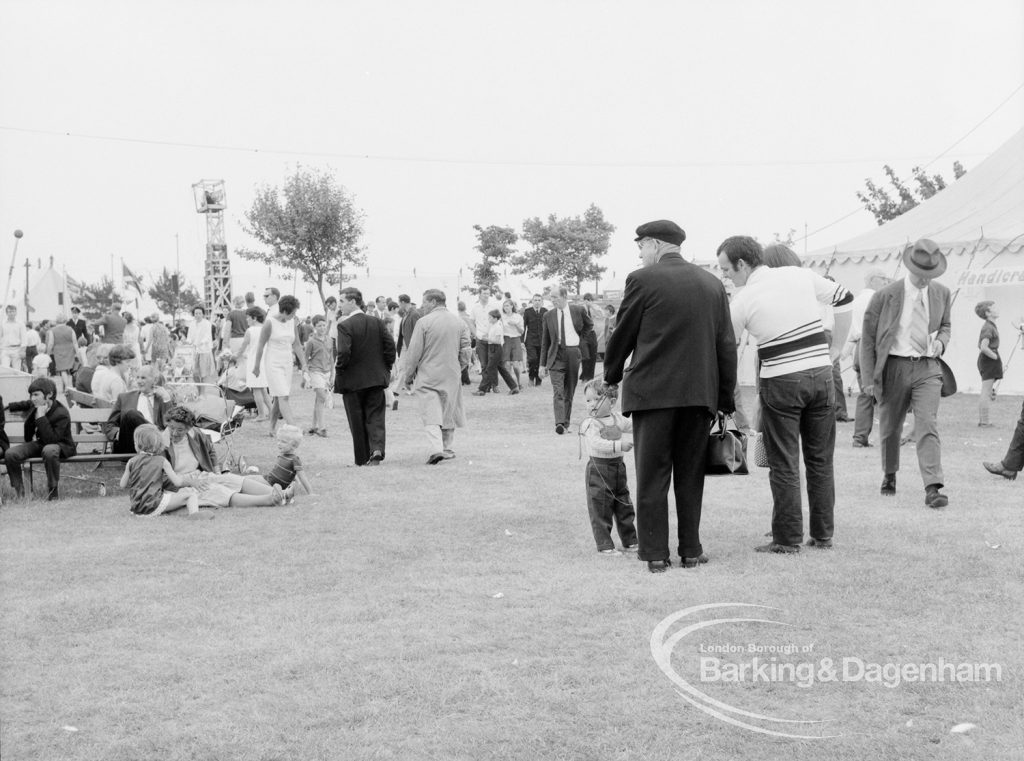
column 460, row 612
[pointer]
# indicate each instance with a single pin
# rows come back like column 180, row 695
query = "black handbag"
column 727, row 449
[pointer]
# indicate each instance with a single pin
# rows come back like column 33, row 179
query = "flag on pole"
column 131, row 280
column 73, row 288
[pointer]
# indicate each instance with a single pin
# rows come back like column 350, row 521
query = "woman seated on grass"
column 153, row 488
column 191, row 455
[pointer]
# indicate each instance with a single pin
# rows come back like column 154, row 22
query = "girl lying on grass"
column 153, row 487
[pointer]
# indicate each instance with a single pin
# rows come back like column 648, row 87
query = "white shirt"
column 572, row 338
column 13, row 334
column 780, row 309
column 145, row 407
column 902, row 347
column 482, row 318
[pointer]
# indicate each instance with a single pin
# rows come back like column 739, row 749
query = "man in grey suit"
column 906, row 329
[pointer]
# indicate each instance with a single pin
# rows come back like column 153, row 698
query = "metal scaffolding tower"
column 211, row 200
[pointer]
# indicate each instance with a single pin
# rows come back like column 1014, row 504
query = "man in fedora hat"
column 906, row 329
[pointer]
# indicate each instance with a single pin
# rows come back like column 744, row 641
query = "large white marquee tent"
column 978, row 221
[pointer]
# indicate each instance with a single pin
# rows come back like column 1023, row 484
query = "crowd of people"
column 671, row 344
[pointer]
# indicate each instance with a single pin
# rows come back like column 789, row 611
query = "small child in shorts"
column 606, row 435
column 288, row 466
column 320, row 363
column 153, row 486
column 41, row 362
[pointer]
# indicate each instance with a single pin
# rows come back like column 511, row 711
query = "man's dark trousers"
column 564, row 372
column 588, row 350
column 608, row 499
column 800, row 406
column 533, row 362
column 365, row 412
column 125, row 442
column 670, row 445
column 19, row 453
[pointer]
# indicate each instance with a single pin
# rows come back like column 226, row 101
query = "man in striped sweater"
column 779, row 307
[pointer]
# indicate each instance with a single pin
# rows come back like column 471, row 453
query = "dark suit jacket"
column 674, row 320
column 129, row 401
column 882, row 323
column 533, row 324
column 405, row 329
column 366, row 353
column 581, row 322
column 53, row 428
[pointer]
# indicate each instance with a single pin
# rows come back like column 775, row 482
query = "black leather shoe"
column 694, row 562
column 997, row 469
column 375, row 458
column 479, row 393
column 821, row 544
column 658, row 566
column 559, row 429
column 889, row 485
column 934, row 498
column 861, row 443
column 435, row 458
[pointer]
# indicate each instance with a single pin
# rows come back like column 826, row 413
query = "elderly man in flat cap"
column 674, row 321
column 906, row 329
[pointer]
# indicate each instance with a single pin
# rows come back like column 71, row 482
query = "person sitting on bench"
column 147, row 404
column 47, row 435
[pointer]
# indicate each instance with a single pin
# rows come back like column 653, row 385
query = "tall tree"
column 885, row 204
column 566, row 248
column 97, row 298
column 311, row 225
column 173, row 294
column 496, row 246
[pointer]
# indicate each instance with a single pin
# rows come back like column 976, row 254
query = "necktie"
column 561, row 328
column 919, row 326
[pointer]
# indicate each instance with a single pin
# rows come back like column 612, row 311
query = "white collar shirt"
column 902, row 347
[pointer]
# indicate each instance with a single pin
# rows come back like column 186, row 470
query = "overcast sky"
column 729, row 117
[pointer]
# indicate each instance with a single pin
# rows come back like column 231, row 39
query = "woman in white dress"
column 279, row 341
column 257, row 382
column 200, row 335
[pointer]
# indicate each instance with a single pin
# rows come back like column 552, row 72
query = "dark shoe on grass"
column 889, row 485
column 934, row 498
column 559, row 429
column 435, row 458
column 479, row 393
column 779, row 549
column 375, row 458
column 694, row 562
column 658, row 566
column 861, row 443
column 997, row 469
column 821, row 544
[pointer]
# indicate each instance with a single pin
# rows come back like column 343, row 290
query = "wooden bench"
column 88, row 439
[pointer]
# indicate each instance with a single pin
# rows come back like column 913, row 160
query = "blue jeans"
column 797, row 413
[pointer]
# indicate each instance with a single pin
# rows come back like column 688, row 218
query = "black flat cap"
column 662, row 229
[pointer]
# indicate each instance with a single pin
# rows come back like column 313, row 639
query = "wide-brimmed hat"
column 924, row 259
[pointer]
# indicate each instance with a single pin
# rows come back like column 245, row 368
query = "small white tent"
column 978, row 221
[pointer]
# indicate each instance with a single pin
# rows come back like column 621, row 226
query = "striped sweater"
column 780, row 308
